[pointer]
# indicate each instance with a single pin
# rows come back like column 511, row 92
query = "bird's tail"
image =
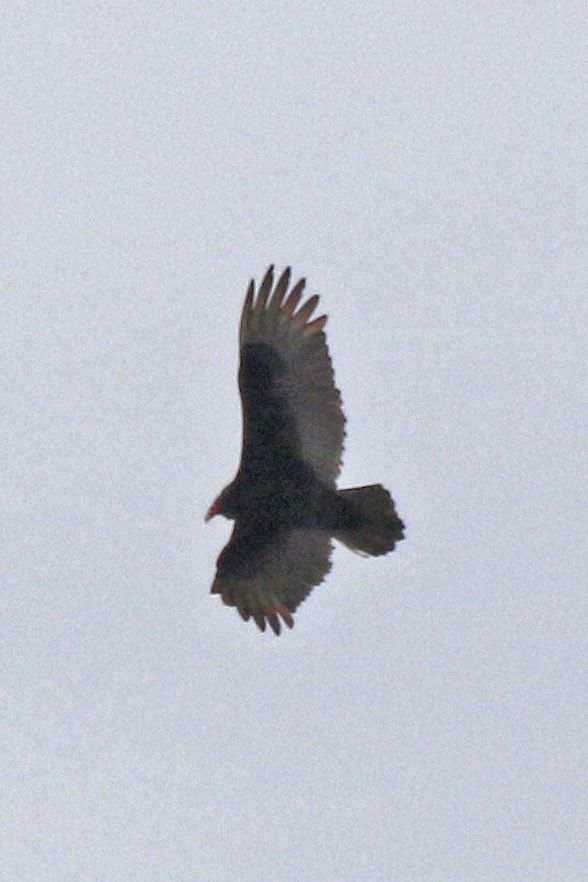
column 376, row 526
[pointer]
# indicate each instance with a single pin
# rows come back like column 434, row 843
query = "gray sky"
column 425, row 166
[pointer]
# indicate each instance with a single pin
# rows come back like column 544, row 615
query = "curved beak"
column 212, row 511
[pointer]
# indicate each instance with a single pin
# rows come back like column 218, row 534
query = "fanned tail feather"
column 378, row 528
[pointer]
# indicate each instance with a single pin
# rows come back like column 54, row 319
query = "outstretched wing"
column 266, row 575
column 290, row 403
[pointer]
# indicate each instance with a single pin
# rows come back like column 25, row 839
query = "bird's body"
column 284, row 499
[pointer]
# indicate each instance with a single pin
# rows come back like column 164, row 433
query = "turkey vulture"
column 284, row 498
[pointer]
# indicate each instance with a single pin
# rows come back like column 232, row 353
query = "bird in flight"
column 284, row 499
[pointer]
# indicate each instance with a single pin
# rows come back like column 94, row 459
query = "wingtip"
column 264, row 289
column 315, row 325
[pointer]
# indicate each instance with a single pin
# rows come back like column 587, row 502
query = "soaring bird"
column 284, row 499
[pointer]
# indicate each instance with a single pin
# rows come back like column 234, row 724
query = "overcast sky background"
column 425, row 165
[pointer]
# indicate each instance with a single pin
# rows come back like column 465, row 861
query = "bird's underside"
column 284, row 500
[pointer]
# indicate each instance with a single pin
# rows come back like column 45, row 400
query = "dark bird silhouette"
column 284, row 498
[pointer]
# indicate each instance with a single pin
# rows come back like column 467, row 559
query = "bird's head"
column 214, row 509
column 224, row 505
